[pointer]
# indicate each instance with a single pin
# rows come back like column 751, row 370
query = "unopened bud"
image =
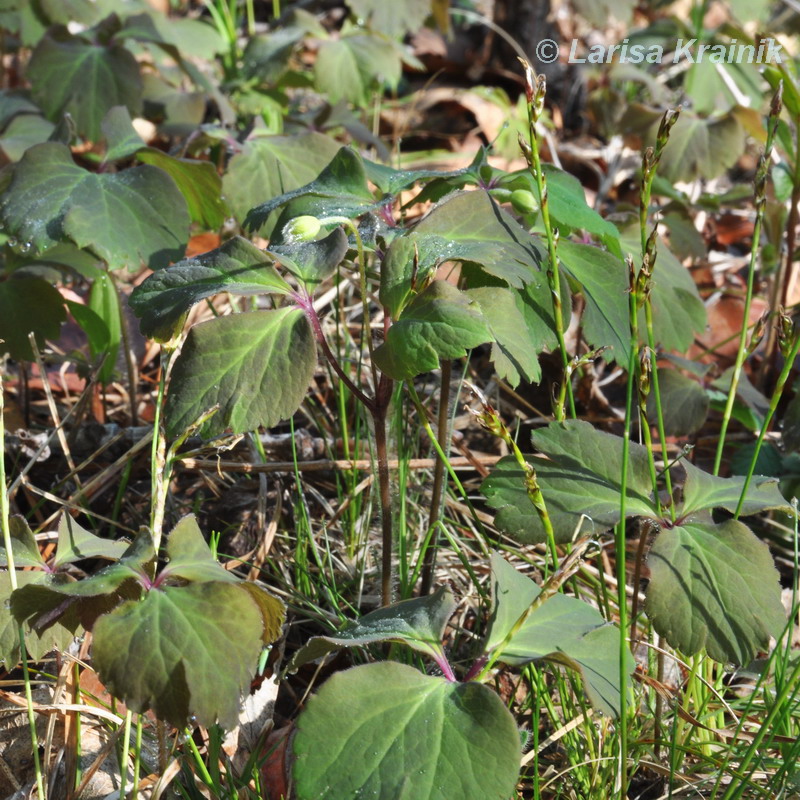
column 301, row 229
column 524, row 202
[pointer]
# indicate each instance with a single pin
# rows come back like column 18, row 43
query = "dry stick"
column 429, row 563
column 51, row 403
column 219, row 466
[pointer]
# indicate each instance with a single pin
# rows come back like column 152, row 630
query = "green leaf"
column 684, row 403
column 440, row 322
column 470, row 226
column 339, row 190
column 603, row 280
column 385, row 731
column 703, row 491
column 581, row 477
column 28, row 305
column 562, row 630
column 199, row 183
column 521, row 322
column 312, row 262
column 84, row 78
column 393, row 19
column 391, row 181
column 104, row 301
column 419, row 623
column 714, row 586
column 122, row 140
column 23, row 545
column 124, row 218
column 93, row 326
column 189, row 557
column 22, row 132
column 75, row 544
column 164, row 652
column 257, row 366
column 38, row 644
column 351, row 67
column 238, row 267
column 271, row 165
column 30, row 603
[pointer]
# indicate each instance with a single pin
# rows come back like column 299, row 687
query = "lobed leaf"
column 125, row 218
column 386, row 731
column 83, row 77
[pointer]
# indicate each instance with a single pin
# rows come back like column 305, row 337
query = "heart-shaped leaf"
column 163, row 652
column 563, row 630
column 419, row 623
column 440, row 322
column 385, row 731
column 257, row 366
column 714, row 586
column 126, row 218
column 238, row 267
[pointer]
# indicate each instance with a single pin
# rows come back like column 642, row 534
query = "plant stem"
column 773, row 405
column 384, row 392
column 620, row 544
column 662, row 436
column 429, row 563
column 124, row 752
column 535, row 93
column 12, row 576
column 158, row 455
column 760, row 183
column 130, row 364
